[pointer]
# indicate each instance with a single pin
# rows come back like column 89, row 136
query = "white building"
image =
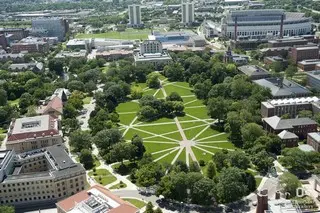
column 187, row 12
column 258, row 24
column 134, row 15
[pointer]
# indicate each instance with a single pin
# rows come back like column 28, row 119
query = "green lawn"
column 155, row 147
column 96, row 161
column 200, row 113
column 258, row 181
column 118, row 186
column 159, row 94
column 137, row 203
column 128, row 34
column 182, row 156
column 186, row 125
column 128, row 107
column 181, row 91
column 222, row 137
column 159, row 129
column 3, row 131
column 196, row 102
column 14, row 102
column 168, row 158
column 201, row 155
column 87, row 100
column 191, row 133
column 188, row 99
column 132, row 132
column 149, row 92
column 211, row 132
column 127, row 118
column 210, row 149
column 103, row 176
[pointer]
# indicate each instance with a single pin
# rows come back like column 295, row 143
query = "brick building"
column 30, row 45
column 313, row 140
column 308, row 65
column 299, row 126
column 16, row 33
column 289, row 139
column 287, row 42
column 300, row 53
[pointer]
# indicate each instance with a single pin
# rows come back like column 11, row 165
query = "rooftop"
column 283, row 206
column 96, row 199
column 31, row 127
column 252, row 70
column 290, row 101
column 315, row 136
column 287, row 135
column 283, row 87
column 307, row 47
column 309, row 62
column 281, row 124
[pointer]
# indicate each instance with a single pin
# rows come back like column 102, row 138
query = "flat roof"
column 315, row 136
column 309, row 62
column 252, row 70
column 277, row 123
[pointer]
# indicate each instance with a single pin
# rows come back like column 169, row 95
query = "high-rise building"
column 134, row 15
column 52, row 27
column 187, row 12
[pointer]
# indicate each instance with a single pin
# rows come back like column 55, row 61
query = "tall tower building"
column 187, row 12
column 134, row 15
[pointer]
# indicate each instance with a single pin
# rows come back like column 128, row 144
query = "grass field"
column 163, row 138
column 14, row 102
column 137, row 203
column 129, row 34
column 87, row 100
column 118, row 186
column 103, row 176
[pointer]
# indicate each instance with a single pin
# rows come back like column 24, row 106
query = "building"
column 300, row 53
column 15, row 33
column 30, row 45
column 283, row 88
column 16, row 58
column 187, row 12
column 95, row 199
column 287, row 42
column 34, row 67
column 54, row 107
column 211, row 29
column 289, row 139
column 178, row 38
column 313, row 79
column 62, row 93
column 151, row 52
column 29, row 133
column 39, row 177
column 298, row 126
column 290, row 106
column 54, row 27
column 264, row 23
column 313, row 140
column 254, row 72
column 76, row 44
column 113, row 55
column 3, row 41
column 272, row 59
column 308, row 65
column 276, row 51
column 82, row 54
column 135, row 15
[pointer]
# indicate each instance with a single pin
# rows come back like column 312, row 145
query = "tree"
column 174, row 71
column 211, row 170
column 291, row 70
column 149, row 208
column 239, row 159
column 3, row 97
column 305, row 114
column 174, row 96
column 90, row 86
column 201, row 90
column 158, row 210
column 150, row 174
column 56, row 66
column 136, row 92
column 277, row 66
column 289, row 183
column 153, row 80
column 70, row 124
column 221, row 159
column 75, row 85
column 86, row 159
column 99, row 120
column 121, row 151
column 6, row 209
column 148, row 113
column 231, row 186
column 218, row 108
column 250, row 132
column 69, row 111
column 25, row 101
column 105, row 138
column 297, row 160
column 202, row 192
column 234, row 122
column 80, row 140
column 262, row 161
column 138, row 143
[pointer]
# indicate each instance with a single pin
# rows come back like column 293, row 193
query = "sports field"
column 188, row 138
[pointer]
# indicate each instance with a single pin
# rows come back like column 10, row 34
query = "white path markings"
column 211, row 136
column 190, row 102
column 198, row 119
column 197, row 147
column 210, row 142
column 177, row 155
column 130, row 125
column 171, row 139
column 215, row 147
column 125, row 113
column 164, row 142
column 165, row 155
column 165, row 150
column 187, row 159
column 200, row 132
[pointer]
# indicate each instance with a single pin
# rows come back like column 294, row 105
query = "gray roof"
column 278, row 124
column 252, row 70
column 306, row 148
column 287, row 135
column 283, row 87
column 315, row 136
